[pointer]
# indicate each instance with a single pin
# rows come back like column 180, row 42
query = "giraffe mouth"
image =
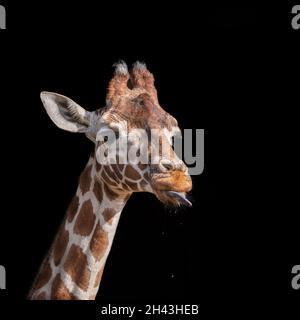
column 173, row 198
column 180, row 197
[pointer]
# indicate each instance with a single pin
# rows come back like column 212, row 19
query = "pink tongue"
column 180, row 196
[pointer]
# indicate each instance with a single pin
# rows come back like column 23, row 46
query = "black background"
column 221, row 68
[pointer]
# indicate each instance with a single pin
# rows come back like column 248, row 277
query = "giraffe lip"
column 180, row 197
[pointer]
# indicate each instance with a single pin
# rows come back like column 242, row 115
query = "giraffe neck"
column 75, row 263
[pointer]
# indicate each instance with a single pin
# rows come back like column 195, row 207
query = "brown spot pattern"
column 115, row 169
column 143, row 183
column 73, row 207
column 98, row 191
column 131, row 184
column 124, row 186
column 108, row 214
column 98, row 166
column 99, row 242
column 85, row 179
column 121, row 167
column 131, row 173
column 113, row 183
column 43, row 276
column 86, row 218
column 60, row 245
column 59, row 290
column 105, row 177
column 110, row 173
column 76, row 266
column 110, row 193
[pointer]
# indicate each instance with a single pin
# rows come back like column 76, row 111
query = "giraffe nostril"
column 167, row 165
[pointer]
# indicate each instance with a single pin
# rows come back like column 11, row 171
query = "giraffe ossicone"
column 73, row 268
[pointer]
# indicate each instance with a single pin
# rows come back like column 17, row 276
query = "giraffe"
column 74, row 265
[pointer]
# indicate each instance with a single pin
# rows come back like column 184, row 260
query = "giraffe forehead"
column 132, row 94
column 156, row 118
column 124, row 129
column 139, row 108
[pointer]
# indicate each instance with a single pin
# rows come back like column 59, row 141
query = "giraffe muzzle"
column 172, row 181
column 171, row 188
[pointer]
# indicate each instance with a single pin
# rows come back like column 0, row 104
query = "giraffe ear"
column 66, row 113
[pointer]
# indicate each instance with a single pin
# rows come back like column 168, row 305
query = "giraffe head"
column 132, row 136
